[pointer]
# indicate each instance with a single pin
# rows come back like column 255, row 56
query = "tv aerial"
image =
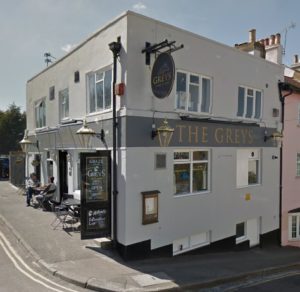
column 285, row 31
column 48, row 58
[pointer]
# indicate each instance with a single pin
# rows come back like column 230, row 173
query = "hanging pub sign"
column 162, row 76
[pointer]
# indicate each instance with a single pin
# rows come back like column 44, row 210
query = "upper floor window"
column 40, row 113
column 249, row 103
column 52, row 93
column 193, row 92
column 64, row 103
column 99, row 90
column 298, row 165
column 191, row 170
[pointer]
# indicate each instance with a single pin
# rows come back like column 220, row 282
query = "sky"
column 30, row 28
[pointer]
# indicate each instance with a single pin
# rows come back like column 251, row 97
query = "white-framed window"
column 193, row 92
column 249, row 103
column 298, row 165
column 191, row 171
column 99, row 90
column 52, row 93
column 40, row 113
column 294, row 226
column 63, row 96
column 240, row 232
column 248, row 167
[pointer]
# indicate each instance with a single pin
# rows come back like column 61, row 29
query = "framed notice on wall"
column 150, row 207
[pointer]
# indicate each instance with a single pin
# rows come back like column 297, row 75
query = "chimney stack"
column 274, row 49
column 277, row 39
column 296, row 65
column 252, row 36
column 253, row 47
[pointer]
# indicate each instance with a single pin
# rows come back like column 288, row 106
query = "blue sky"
column 29, row 28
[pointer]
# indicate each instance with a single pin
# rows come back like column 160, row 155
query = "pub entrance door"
column 63, row 174
column 95, row 194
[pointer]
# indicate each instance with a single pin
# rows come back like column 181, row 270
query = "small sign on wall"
column 150, row 207
column 247, row 197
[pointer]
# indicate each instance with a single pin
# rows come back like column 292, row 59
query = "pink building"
column 291, row 161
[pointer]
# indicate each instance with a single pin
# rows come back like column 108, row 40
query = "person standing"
column 31, row 184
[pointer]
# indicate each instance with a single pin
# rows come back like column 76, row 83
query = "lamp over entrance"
column 25, row 142
column 85, row 135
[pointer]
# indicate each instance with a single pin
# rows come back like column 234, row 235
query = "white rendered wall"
column 217, row 211
column 227, row 67
column 91, row 56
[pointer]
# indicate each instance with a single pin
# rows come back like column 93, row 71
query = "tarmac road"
column 287, row 283
column 18, row 274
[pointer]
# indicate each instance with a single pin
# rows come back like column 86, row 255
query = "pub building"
column 165, row 136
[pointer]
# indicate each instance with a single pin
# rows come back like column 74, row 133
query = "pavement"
column 84, row 263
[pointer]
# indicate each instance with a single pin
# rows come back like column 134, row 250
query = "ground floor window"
column 294, row 226
column 240, row 232
column 248, row 167
column 191, row 171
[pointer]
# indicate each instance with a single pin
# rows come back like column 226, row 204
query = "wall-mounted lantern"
column 85, row 135
column 276, row 136
column 164, row 132
column 25, row 143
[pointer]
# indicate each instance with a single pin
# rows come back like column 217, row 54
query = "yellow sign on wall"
column 248, row 197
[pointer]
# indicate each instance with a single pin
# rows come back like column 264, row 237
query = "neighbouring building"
column 216, row 183
column 291, row 159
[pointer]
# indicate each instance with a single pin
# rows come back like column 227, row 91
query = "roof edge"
column 93, row 35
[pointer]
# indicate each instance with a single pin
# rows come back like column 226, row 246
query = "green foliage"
column 12, row 126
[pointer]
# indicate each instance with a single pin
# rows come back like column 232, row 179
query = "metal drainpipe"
column 282, row 86
column 115, row 47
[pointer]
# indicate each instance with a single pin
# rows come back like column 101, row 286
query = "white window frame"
column 40, row 113
column 190, row 161
column 187, row 95
column 242, row 166
column 93, row 74
column 297, row 217
column 64, row 103
column 255, row 91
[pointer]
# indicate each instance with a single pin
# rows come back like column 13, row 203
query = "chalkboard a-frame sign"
column 95, row 195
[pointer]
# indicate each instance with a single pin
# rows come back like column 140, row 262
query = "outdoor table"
column 71, row 202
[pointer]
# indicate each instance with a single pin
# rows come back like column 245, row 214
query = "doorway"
column 63, row 174
column 253, row 231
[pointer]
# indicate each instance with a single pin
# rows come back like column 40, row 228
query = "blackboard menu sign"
column 97, row 219
column 96, row 179
column 95, row 207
